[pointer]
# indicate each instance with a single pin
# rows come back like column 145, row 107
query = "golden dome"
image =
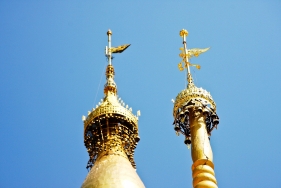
column 113, row 171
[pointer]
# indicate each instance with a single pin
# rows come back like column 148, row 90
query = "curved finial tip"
column 109, row 32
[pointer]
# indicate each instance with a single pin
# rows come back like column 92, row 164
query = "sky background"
column 52, row 66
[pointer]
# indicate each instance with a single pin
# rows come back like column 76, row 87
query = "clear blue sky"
column 52, row 60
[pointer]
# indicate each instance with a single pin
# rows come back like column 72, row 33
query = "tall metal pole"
column 203, row 173
column 109, row 33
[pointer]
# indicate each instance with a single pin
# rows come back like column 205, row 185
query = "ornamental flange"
column 111, row 129
column 111, row 134
column 109, row 109
column 193, row 93
column 192, row 99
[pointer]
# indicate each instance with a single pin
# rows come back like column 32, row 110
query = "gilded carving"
column 111, row 128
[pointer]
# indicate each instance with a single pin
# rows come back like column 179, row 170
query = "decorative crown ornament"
column 111, row 128
column 192, row 98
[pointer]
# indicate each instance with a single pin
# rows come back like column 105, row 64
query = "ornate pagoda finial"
column 195, row 117
column 186, row 54
column 111, row 128
column 110, row 86
column 111, row 136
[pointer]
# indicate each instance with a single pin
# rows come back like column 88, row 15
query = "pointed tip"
column 190, row 80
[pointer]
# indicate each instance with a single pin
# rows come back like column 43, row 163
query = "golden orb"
column 183, row 33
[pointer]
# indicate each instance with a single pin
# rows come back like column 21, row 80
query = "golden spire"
column 111, row 136
column 110, row 84
column 186, row 54
column 195, row 117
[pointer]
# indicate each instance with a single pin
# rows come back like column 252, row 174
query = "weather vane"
column 109, row 50
column 188, row 53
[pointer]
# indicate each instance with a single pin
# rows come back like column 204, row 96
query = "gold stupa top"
column 111, row 136
column 192, row 96
column 111, row 121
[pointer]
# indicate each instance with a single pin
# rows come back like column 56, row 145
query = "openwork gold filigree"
column 190, row 93
column 194, row 52
column 192, row 97
column 186, row 54
column 111, row 128
column 111, row 107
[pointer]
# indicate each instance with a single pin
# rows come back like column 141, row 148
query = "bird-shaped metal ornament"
column 110, row 50
column 119, row 49
column 194, row 52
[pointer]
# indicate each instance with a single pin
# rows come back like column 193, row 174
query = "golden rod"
column 109, row 33
column 202, row 156
column 183, row 34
